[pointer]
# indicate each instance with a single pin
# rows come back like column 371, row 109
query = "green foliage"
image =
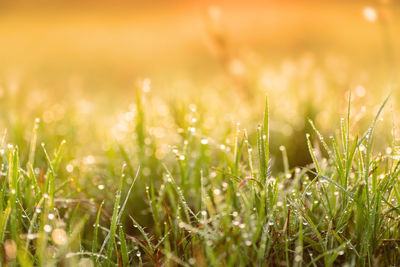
column 212, row 204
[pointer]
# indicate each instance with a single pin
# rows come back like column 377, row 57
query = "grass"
column 164, row 175
column 208, row 203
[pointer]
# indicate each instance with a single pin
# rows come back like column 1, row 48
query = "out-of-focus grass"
column 213, row 188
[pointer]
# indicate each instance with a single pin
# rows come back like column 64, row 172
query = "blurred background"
column 80, row 66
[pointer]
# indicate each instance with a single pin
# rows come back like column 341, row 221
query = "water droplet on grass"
column 69, row 168
column 217, row 191
column 192, row 261
column 204, row 141
column 59, row 236
column 47, row 228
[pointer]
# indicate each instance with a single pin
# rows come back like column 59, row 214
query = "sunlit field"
column 204, row 133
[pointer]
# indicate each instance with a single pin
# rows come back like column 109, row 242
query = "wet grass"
column 207, row 203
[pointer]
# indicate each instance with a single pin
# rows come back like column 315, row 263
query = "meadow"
column 174, row 134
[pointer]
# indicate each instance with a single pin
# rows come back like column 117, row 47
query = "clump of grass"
column 214, row 205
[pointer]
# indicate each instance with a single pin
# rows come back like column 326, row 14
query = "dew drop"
column 47, row 228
